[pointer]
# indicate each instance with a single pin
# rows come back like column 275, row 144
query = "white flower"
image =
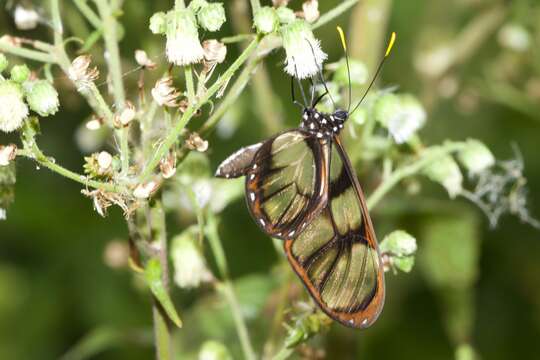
column 514, row 37
column 143, row 60
column 304, row 54
column 7, row 154
column 13, row 110
column 42, row 97
column 311, row 10
column 183, row 45
column 212, row 16
column 402, row 115
column 446, row 172
column 190, row 268
column 25, row 19
column 127, row 114
column 94, row 124
column 476, row 157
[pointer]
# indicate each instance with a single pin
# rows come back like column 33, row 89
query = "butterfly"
column 301, row 188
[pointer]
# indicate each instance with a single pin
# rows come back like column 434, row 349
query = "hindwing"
column 336, row 255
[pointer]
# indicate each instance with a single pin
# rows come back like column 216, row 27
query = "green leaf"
column 153, row 276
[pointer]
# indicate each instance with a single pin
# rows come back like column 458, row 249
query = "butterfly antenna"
column 388, row 50
column 319, row 70
column 300, row 85
column 344, row 44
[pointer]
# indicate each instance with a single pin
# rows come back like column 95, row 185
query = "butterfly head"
column 323, row 125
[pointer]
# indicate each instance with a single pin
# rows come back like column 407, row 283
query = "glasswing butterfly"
column 301, row 188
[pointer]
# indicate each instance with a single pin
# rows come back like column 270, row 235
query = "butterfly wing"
column 286, row 182
column 238, row 163
column 337, row 256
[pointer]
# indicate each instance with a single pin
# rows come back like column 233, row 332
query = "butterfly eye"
column 341, row 115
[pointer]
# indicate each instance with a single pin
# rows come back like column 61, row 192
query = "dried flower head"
column 25, row 19
column 311, row 10
column 143, row 60
column 81, row 73
column 195, row 142
column 127, row 115
column 183, row 46
column 103, row 200
column 42, row 97
column 278, row 3
column 214, row 53
column 167, row 166
column 304, row 54
column 164, row 93
column 7, row 154
column 13, row 110
column 143, row 191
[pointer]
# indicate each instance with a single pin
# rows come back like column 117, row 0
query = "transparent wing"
column 286, row 183
column 337, row 256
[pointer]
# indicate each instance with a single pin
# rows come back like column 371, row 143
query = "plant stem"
column 430, row 155
column 26, row 53
column 188, row 72
column 47, row 162
column 115, row 70
column 334, row 13
column 88, row 13
column 172, row 136
column 226, row 287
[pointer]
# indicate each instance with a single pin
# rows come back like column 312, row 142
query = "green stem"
column 88, row 13
column 430, row 156
column 226, row 287
column 115, row 70
column 172, row 136
column 26, row 53
column 334, row 13
column 47, row 162
column 284, row 353
column 188, row 72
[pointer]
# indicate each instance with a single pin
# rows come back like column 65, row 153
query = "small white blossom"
column 25, row 19
column 399, row 243
column 476, row 157
column 80, row 72
column 13, row 110
column 266, row 20
column 104, row 160
column 446, row 172
column 304, row 54
column 143, row 191
column 164, row 93
column 143, row 60
column 402, row 115
column 7, row 154
column 94, row 124
column 183, row 46
column 514, row 37
column 126, row 115
column 190, row 268
column 42, row 97
column 311, row 10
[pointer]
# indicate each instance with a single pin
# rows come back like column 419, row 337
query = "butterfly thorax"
column 323, row 125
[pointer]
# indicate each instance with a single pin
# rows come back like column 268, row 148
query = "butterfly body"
column 301, row 188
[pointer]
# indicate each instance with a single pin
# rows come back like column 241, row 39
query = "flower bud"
column 304, row 54
column 13, row 110
column 214, row 51
column 42, row 97
column 285, row 15
column 212, row 16
column 514, row 37
column 266, row 20
column 197, row 5
column 158, row 23
column 183, row 45
column 446, row 172
column 190, row 269
column 20, row 73
column 402, row 115
column 3, row 62
column 25, row 19
column 399, row 243
column 476, row 157
column 311, row 10
column 104, row 160
column 359, row 73
column 94, row 124
column 7, row 154
column 126, row 115
column 143, row 191
column 213, row 350
column 164, row 93
column 143, row 60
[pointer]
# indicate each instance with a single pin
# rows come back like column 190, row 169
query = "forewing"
column 238, row 163
column 286, row 184
column 337, row 256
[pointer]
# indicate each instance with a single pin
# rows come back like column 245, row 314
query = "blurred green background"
column 472, row 285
